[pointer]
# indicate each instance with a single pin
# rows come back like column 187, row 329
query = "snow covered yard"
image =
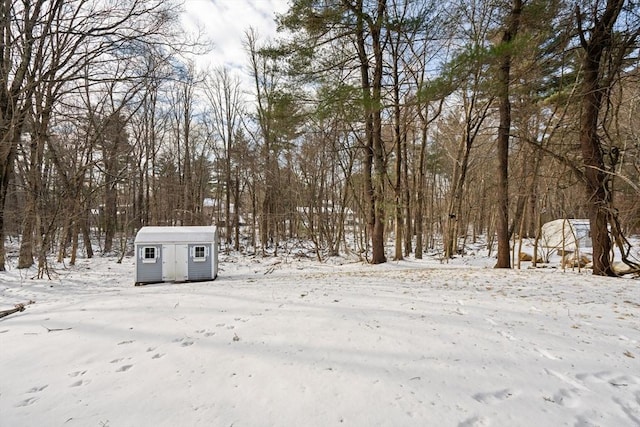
column 276, row 342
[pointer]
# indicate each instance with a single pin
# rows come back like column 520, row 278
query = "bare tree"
column 603, row 49
column 223, row 92
column 46, row 44
column 504, row 131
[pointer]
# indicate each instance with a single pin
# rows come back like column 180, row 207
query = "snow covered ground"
column 294, row 342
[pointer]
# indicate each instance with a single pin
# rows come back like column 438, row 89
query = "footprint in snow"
column 157, row 356
column 124, row 368
column 77, row 373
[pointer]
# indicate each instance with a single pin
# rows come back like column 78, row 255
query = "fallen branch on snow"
column 17, row 308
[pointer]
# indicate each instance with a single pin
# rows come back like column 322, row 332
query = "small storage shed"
column 567, row 234
column 176, row 254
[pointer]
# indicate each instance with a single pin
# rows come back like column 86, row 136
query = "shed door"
column 168, row 263
column 182, row 262
column 174, row 263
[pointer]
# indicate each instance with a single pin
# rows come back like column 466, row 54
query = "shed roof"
column 191, row 234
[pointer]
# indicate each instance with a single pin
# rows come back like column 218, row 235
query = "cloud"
column 224, row 23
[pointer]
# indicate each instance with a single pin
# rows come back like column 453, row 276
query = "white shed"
column 176, row 254
column 567, row 234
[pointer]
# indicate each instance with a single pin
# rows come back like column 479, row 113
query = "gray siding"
column 200, row 270
column 148, row 272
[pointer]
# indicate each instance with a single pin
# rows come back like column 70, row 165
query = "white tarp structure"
column 567, row 234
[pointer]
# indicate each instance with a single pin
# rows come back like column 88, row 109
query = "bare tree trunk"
column 454, row 213
column 25, row 257
column 504, row 131
column 114, row 140
column 375, row 169
column 597, row 180
column 86, row 233
column 380, row 175
column 398, row 141
column 407, row 201
column 236, row 210
column 422, row 178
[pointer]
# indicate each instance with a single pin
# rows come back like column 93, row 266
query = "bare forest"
column 383, row 128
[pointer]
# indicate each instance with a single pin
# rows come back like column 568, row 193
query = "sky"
column 225, row 22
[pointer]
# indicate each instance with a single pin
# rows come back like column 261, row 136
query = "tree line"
column 366, row 122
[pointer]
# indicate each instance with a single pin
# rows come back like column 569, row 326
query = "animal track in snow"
column 157, row 356
column 79, row 383
column 184, row 342
column 27, row 402
column 124, row 368
column 37, row 389
column 569, row 398
column 475, row 422
column 77, row 373
column 495, row 396
column 630, row 409
column 506, row 335
column 609, row 377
